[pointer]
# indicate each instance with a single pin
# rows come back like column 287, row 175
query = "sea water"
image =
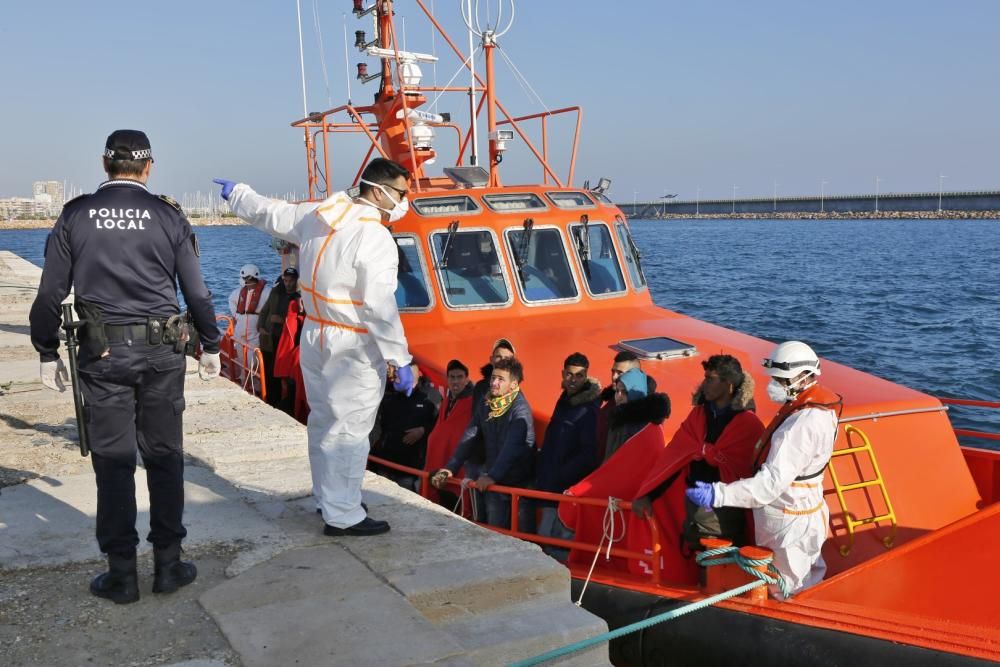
column 913, row 301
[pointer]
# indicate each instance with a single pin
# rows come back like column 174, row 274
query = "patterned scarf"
column 501, row 404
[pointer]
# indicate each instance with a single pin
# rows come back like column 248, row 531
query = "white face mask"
column 397, row 211
column 777, row 392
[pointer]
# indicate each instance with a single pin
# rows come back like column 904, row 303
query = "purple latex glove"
column 404, row 381
column 227, row 187
column 702, row 495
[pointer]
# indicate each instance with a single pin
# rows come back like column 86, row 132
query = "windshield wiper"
column 583, row 243
column 521, row 256
column 452, row 231
column 633, row 247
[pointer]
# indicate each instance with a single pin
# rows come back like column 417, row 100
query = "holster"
column 92, row 339
column 180, row 332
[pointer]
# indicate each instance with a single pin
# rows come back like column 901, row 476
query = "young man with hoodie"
column 634, row 408
column 504, row 427
column 714, row 443
column 568, row 452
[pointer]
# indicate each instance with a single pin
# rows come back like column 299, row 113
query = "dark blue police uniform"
column 125, row 251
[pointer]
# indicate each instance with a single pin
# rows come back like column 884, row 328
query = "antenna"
column 302, row 59
column 347, row 62
column 474, row 156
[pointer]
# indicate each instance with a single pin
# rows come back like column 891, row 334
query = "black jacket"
column 569, row 452
column 125, row 251
column 508, row 443
column 399, row 413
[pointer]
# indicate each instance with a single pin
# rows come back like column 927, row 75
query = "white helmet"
column 249, row 271
column 788, row 360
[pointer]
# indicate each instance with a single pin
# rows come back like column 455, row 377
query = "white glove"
column 209, row 366
column 54, row 375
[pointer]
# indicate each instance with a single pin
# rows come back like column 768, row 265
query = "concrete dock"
column 272, row 590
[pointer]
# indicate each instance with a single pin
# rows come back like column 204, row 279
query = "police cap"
column 128, row 145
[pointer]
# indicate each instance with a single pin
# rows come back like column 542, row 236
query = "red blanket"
column 618, row 477
column 732, row 454
column 286, row 359
column 445, row 437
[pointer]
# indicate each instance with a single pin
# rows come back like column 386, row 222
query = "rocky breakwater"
column 870, row 215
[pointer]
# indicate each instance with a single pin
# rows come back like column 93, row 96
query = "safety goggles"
column 786, row 365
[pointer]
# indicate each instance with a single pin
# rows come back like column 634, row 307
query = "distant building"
column 49, row 193
column 47, row 199
column 22, row 207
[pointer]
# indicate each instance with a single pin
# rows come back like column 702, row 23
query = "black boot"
column 120, row 583
column 169, row 571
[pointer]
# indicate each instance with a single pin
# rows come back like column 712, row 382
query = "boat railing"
column 518, row 494
column 986, row 435
column 318, row 126
column 543, row 117
column 244, row 364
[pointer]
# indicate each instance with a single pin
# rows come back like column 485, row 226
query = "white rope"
column 322, row 56
column 517, row 72
column 609, row 535
column 454, row 76
column 459, row 507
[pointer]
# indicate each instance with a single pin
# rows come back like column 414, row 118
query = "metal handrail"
column 968, row 402
column 517, row 493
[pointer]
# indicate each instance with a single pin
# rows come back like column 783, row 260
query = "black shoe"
column 367, row 526
column 169, row 571
column 120, row 583
column 363, row 506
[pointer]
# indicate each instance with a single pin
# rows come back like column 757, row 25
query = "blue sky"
column 690, row 98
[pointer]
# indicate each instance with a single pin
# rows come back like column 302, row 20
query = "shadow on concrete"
column 67, row 430
column 22, row 329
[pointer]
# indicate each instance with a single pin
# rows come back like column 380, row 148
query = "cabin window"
column 453, row 205
column 598, row 259
column 469, row 268
column 412, row 292
column 515, row 203
column 603, row 198
column 633, row 259
column 541, row 265
column 570, row 200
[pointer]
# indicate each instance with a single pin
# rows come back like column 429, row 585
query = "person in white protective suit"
column 352, row 333
column 245, row 304
column 786, row 492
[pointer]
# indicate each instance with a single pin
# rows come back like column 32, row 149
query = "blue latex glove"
column 702, row 495
column 404, row 381
column 227, row 187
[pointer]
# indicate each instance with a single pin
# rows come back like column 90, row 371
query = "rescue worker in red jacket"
column 786, row 491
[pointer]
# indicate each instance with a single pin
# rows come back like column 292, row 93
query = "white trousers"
column 344, row 378
column 797, row 543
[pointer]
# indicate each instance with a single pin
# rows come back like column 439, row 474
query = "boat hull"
column 715, row 636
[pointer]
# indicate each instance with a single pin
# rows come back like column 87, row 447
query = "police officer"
column 123, row 251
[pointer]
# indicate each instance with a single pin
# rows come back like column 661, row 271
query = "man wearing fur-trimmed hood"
column 717, row 438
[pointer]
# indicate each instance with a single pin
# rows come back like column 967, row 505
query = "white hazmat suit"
column 347, row 276
column 245, row 333
column 790, row 517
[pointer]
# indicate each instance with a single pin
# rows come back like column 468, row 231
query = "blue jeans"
column 498, row 512
column 497, row 509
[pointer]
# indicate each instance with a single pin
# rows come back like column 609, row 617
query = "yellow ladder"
column 851, row 432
